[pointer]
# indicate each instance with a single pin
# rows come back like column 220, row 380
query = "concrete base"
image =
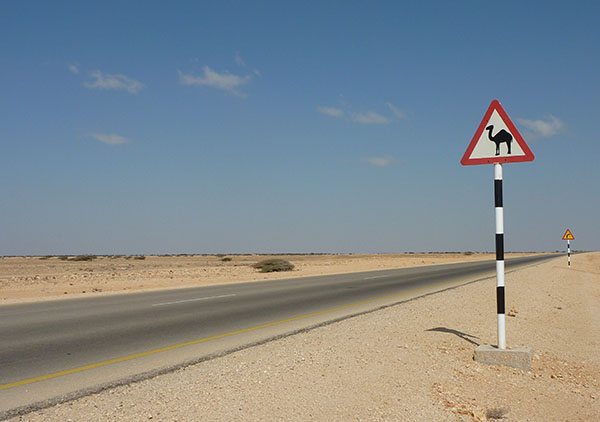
column 518, row 357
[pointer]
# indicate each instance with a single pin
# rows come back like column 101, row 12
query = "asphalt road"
column 44, row 338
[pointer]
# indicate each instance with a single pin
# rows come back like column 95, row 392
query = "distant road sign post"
column 497, row 141
column 568, row 236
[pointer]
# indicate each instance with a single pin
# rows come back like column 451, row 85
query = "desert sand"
column 412, row 361
column 39, row 278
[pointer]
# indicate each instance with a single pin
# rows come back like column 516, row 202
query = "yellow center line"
column 186, row 343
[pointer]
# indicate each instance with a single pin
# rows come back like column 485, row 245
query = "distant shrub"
column 46, row 257
column 226, row 259
column 83, row 258
column 139, row 257
column 220, row 255
column 77, row 258
column 468, row 253
column 273, row 265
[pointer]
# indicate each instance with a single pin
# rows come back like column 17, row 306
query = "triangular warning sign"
column 496, row 140
column 568, row 235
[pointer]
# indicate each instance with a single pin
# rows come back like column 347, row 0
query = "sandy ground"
column 38, row 278
column 413, row 361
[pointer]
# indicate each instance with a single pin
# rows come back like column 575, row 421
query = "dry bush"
column 84, row 258
column 273, row 265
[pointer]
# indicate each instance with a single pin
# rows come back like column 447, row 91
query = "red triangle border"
column 495, row 105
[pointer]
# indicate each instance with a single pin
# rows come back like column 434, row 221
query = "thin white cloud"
column 110, row 139
column 115, row 82
column 370, row 118
column 330, row 111
column 543, row 128
column 399, row 114
column 380, row 161
column 238, row 59
column 74, row 69
column 224, row 81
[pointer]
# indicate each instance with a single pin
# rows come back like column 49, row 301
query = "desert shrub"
column 272, row 265
column 226, row 259
column 468, row 253
column 139, row 257
column 220, row 255
column 83, row 258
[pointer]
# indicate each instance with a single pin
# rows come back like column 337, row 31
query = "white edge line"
column 192, row 300
column 375, row 276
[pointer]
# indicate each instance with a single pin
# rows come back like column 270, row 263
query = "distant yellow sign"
column 568, row 235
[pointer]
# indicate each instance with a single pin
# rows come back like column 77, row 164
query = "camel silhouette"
column 500, row 137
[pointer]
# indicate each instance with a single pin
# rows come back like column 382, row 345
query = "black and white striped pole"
column 568, row 236
column 500, row 299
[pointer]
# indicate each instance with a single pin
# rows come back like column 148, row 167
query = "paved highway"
column 47, row 341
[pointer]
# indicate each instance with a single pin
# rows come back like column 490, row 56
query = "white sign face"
column 496, row 140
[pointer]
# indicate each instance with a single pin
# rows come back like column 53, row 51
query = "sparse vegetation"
column 83, row 258
column 468, row 253
column 139, row 257
column 226, row 259
column 77, row 258
column 273, row 265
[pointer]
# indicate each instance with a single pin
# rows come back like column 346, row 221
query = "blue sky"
column 188, row 127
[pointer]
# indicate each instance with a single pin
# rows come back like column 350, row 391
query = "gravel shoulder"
column 413, row 361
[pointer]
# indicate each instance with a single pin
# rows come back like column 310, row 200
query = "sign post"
column 568, row 236
column 486, row 147
column 500, row 302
